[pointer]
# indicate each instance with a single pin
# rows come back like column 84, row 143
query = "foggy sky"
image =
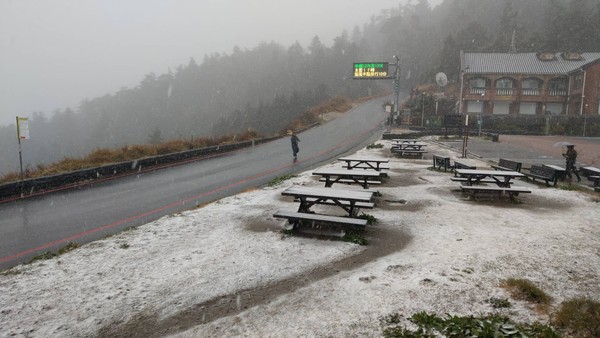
column 55, row 53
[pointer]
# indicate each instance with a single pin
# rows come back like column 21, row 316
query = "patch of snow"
column 455, row 254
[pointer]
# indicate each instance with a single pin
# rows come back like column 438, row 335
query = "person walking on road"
column 294, row 138
column 571, row 157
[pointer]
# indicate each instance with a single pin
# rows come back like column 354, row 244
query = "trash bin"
column 495, row 137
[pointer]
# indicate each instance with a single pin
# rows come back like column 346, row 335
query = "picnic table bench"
column 411, row 149
column 596, row 180
column 405, row 140
column 466, row 180
column 501, row 178
column 508, row 165
column 541, row 172
column 296, row 218
column 349, row 200
column 559, row 172
column 460, row 165
column 478, row 191
column 361, row 205
column 590, row 171
column 377, row 164
column 362, row 177
column 441, row 162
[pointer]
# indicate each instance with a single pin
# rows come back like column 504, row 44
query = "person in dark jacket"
column 294, row 138
column 571, row 158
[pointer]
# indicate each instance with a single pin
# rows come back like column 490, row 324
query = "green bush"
column 488, row 326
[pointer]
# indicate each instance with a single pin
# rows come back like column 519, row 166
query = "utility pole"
column 422, row 109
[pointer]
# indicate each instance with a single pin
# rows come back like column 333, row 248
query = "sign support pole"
column 397, row 89
column 19, row 136
column 465, row 137
column 20, row 151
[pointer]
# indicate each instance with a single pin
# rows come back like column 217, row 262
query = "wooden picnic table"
column 415, row 148
column 501, row 177
column 410, row 146
column 405, row 140
column 364, row 163
column 362, row 177
column 349, row 200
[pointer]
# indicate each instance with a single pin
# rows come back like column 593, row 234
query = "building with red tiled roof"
column 530, row 83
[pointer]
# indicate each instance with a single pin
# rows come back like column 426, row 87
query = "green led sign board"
column 371, row 70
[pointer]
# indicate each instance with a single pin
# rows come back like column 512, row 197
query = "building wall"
column 491, row 96
column 590, row 97
column 592, row 90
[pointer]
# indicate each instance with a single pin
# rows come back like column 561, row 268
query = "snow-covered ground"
column 226, row 269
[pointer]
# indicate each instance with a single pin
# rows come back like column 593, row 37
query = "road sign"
column 371, row 70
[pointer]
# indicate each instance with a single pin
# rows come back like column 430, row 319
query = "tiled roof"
column 522, row 63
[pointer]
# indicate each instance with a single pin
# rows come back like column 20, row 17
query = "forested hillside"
column 263, row 88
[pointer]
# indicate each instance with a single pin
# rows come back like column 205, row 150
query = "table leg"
column 304, row 206
column 353, row 211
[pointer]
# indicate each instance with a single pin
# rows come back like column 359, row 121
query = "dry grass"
column 105, row 156
column 579, row 317
column 523, row 289
column 313, row 115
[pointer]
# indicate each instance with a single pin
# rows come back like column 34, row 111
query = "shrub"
column 49, row 254
column 356, row 237
column 524, row 289
column 498, row 303
column 491, row 325
column 370, row 218
column 375, row 146
column 278, row 180
column 580, row 317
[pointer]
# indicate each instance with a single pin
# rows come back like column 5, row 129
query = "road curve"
column 32, row 226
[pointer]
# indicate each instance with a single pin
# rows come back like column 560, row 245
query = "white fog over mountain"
column 54, row 54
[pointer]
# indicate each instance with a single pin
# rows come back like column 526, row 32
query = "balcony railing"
column 531, row 91
column 557, row 92
column 504, row 91
column 477, row 91
column 512, row 91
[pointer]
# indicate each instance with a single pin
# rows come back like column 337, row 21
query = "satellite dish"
column 441, row 79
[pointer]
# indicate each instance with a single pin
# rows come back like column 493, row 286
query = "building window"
column 527, row 108
column 531, row 86
column 474, row 106
column 557, row 87
column 578, row 81
column 504, row 86
column 554, row 108
column 477, row 86
column 501, row 107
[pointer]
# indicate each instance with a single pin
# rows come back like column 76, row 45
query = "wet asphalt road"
column 34, row 225
column 532, row 149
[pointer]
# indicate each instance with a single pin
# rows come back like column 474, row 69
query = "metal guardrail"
column 34, row 185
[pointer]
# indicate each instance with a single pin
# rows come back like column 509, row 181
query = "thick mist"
column 54, row 54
